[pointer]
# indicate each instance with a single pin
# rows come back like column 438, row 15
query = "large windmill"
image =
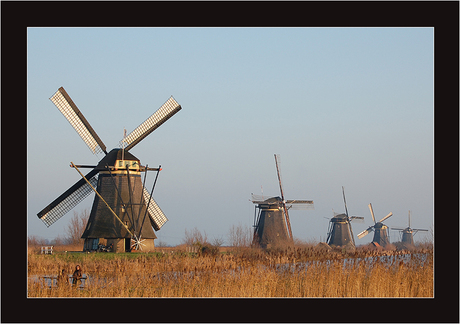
column 272, row 226
column 408, row 233
column 340, row 232
column 123, row 211
column 380, row 230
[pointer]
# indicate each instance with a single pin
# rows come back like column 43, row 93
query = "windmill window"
column 120, row 163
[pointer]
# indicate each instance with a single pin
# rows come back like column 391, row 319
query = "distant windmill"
column 122, row 207
column 380, row 230
column 340, row 232
column 271, row 224
column 408, row 233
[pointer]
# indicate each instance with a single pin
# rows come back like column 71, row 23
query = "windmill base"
column 404, row 246
column 124, row 245
column 119, row 245
column 347, row 247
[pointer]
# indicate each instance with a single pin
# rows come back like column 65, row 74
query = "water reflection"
column 52, row 281
column 386, row 260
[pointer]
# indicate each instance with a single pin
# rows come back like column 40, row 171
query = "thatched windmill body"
column 340, row 233
column 380, row 230
column 123, row 211
column 407, row 234
column 272, row 226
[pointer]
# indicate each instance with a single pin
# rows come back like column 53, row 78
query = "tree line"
column 72, row 233
column 238, row 235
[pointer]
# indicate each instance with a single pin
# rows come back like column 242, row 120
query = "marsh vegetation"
column 301, row 271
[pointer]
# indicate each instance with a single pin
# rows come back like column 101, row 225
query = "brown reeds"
column 295, row 272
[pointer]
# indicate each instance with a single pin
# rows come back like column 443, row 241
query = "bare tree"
column 195, row 237
column 239, row 236
column 36, row 241
column 76, row 227
column 218, row 241
column 59, row 240
column 161, row 244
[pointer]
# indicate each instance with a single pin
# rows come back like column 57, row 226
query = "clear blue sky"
column 348, row 107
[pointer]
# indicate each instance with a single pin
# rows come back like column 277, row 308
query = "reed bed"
column 241, row 273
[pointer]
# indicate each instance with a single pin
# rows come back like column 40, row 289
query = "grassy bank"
column 306, row 272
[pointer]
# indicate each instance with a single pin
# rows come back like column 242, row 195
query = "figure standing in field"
column 62, row 278
column 76, row 277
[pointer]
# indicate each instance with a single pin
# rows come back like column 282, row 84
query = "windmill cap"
column 273, row 200
column 114, row 155
column 339, row 218
column 379, row 225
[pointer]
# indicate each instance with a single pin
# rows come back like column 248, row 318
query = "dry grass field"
column 244, row 272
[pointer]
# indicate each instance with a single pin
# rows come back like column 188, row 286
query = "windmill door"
column 94, row 244
column 127, row 245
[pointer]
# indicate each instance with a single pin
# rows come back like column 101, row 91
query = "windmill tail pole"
column 97, row 193
column 151, row 194
column 140, row 209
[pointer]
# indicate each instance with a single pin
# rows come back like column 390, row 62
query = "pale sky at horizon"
column 348, row 107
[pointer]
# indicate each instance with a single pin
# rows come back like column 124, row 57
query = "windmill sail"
column 300, row 204
column 68, row 200
column 372, row 212
column 259, row 199
column 70, row 111
column 365, row 232
column 285, row 209
column 156, row 215
column 387, row 216
column 165, row 112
